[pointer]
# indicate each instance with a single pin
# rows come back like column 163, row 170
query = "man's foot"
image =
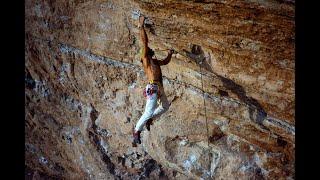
column 149, row 123
column 136, row 138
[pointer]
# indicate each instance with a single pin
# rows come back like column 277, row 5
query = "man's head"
column 150, row 52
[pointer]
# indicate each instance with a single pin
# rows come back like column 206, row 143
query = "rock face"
column 84, row 82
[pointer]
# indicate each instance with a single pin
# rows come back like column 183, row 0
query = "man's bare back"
column 151, row 66
column 153, row 70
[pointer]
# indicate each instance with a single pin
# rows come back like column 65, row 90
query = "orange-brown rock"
column 84, row 81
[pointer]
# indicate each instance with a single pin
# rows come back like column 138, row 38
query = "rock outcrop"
column 84, row 82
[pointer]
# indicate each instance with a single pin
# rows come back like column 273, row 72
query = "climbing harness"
column 155, row 82
column 151, row 89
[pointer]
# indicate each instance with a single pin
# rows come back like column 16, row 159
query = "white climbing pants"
column 154, row 107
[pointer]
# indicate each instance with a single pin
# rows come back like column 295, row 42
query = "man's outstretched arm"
column 144, row 40
column 167, row 59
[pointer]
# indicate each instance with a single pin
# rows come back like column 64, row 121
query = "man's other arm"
column 167, row 59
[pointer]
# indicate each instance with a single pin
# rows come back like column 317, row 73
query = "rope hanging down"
column 204, row 101
column 203, row 92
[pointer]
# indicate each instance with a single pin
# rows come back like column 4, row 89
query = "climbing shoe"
column 136, row 138
column 149, row 123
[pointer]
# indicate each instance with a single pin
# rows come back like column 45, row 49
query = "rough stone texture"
column 84, row 81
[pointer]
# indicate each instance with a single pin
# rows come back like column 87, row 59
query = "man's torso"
column 153, row 71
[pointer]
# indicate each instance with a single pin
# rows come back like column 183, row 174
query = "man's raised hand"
column 172, row 51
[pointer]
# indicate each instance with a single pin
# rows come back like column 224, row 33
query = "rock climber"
column 157, row 102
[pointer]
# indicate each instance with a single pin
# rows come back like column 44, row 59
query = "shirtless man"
column 154, row 91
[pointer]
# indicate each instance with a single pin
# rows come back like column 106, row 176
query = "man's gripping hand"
column 172, row 51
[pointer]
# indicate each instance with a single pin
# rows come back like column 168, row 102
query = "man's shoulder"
column 144, row 59
column 145, row 62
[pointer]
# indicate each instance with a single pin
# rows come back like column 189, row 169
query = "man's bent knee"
column 146, row 115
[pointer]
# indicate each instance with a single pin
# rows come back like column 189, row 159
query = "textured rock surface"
column 84, row 81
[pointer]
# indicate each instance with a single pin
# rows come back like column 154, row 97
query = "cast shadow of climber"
column 256, row 112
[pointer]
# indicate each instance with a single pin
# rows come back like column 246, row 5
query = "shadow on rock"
column 198, row 56
column 257, row 113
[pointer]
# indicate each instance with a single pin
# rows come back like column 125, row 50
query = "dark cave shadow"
column 197, row 55
column 151, row 28
column 256, row 112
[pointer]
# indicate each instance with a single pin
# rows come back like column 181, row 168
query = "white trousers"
column 154, row 107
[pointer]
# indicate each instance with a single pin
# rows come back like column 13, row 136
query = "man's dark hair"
column 150, row 52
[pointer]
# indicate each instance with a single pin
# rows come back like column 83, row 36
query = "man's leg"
column 149, row 109
column 162, row 108
column 163, row 105
column 148, row 112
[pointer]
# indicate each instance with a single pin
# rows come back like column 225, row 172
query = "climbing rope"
column 203, row 92
column 204, row 101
